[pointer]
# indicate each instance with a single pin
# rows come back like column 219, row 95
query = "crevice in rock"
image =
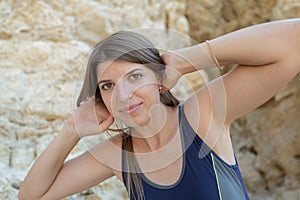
column 253, row 150
column 263, row 175
column 282, row 174
column 167, row 20
column 10, row 157
column 15, row 186
column 297, row 157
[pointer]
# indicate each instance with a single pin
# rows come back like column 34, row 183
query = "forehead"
column 116, row 69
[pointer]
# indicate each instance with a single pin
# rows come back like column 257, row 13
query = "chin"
column 138, row 122
column 133, row 121
column 139, row 119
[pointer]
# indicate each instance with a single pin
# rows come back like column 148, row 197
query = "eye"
column 107, row 86
column 135, row 76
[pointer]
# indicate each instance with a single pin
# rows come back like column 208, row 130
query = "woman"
column 165, row 150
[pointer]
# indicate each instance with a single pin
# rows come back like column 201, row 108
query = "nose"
column 123, row 92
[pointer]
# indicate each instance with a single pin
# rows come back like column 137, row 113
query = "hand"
column 90, row 118
column 174, row 69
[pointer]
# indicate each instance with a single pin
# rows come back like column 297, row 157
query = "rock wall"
column 43, row 48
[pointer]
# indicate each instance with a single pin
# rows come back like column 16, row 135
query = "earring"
column 160, row 88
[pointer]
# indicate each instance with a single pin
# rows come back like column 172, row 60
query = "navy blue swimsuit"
column 204, row 174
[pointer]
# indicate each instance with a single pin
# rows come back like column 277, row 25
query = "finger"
column 106, row 123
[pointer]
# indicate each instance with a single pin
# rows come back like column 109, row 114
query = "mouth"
column 132, row 108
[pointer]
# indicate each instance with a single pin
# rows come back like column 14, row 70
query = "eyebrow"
column 130, row 72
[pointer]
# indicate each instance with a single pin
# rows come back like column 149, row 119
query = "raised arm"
column 268, row 56
column 50, row 177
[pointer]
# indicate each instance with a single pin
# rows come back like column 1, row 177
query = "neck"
column 159, row 132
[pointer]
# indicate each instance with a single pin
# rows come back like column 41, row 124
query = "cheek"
column 149, row 85
column 151, row 92
column 107, row 102
column 110, row 102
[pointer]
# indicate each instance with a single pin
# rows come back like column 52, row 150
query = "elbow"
column 293, row 42
column 23, row 194
column 296, row 42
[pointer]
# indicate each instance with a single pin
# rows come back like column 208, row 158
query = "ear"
column 161, row 76
column 160, row 81
column 169, row 78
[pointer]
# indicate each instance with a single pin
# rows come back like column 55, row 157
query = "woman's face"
column 129, row 91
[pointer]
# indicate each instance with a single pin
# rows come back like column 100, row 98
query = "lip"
column 132, row 108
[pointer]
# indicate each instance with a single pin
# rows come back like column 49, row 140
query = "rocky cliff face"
column 43, row 48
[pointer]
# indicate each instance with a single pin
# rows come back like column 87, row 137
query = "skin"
column 264, row 68
column 129, row 92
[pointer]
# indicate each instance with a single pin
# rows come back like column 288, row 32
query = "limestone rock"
column 211, row 18
column 27, row 20
column 5, row 153
column 271, row 135
column 96, row 21
column 43, row 49
column 23, row 154
column 290, row 195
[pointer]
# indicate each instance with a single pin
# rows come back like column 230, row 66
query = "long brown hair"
column 131, row 47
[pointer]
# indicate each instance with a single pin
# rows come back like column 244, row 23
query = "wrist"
column 194, row 58
column 70, row 129
column 177, row 62
column 209, row 49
